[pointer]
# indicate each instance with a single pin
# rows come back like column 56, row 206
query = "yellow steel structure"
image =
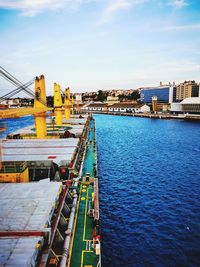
column 72, row 101
column 40, row 103
column 67, row 103
column 14, row 173
column 58, row 104
column 20, row 112
column 39, row 109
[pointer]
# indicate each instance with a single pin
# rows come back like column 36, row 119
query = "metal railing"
column 13, row 167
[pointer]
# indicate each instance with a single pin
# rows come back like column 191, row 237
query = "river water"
column 149, row 190
column 149, row 173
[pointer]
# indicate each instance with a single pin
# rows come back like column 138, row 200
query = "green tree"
column 134, row 95
column 101, row 96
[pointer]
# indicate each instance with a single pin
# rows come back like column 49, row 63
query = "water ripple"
column 149, row 191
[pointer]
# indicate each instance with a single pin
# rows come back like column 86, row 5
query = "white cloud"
column 34, row 7
column 178, row 3
column 114, row 6
column 182, row 27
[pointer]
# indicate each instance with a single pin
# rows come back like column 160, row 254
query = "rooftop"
column 126, row 105
column 156, row 87
column 191, row 100
column 96, row 105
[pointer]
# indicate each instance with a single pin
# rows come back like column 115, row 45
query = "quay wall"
column 194, row 117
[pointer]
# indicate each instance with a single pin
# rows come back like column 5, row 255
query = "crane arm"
column 20, row 112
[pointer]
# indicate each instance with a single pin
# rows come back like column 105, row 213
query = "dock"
column 164, row 116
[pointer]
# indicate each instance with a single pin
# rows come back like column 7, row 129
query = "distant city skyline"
column 92, row 45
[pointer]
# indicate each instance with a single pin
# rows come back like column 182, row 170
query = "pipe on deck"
column 66, row 246
column 67, row 241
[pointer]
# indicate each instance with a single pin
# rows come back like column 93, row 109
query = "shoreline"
column 188, row 117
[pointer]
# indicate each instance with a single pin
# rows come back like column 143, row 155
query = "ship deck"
column 73, row 120
column 82, row 252
column 56, row 150
column 26, row 210
column 75, row 129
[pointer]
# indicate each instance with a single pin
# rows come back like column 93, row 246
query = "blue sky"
column 100, row 44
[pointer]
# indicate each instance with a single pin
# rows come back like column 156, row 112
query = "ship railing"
column 96, row 203
column 13, row 167
column 99, row 262
column 32, row 136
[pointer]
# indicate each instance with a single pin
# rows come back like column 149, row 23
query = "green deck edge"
column 82, row 252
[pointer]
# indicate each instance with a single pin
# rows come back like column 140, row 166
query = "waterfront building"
column 78, row 98
column 118, row 92
column 189, row 105
column 96, row 107
column 164, row 93
column 78, row 107
column 129, row 108
column 144, row 109
column 176, row 108
column 112, row 99
column 11, row 102
column 154, row 103
column 187, row 89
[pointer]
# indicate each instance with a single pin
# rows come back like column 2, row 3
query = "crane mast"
column 67, row 103
column 40, row 103
column 58, row 104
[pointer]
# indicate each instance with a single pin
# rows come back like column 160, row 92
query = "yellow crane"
column 38, row 110
column 20, row 112
column 40, row 104
column 18, row 171
column 72, row 102
column 58, row 104
column 67, row 105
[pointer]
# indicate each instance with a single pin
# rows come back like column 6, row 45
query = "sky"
column 91, row 45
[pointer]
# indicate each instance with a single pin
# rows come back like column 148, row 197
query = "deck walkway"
column 82, row 252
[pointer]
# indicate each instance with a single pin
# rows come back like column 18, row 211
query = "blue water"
column 15, row 124
column 149, row 173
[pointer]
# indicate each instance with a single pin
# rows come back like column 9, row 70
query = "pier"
column 165, row 116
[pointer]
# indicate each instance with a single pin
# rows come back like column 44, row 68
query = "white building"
column 78, row 98
column 188, row 105
column 145, row 109
column 191, row 105
column 11, row 102
column 96, row 107
column 129, row 108
column 112, row 99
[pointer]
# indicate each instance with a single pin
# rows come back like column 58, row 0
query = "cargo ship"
column 49, row 188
